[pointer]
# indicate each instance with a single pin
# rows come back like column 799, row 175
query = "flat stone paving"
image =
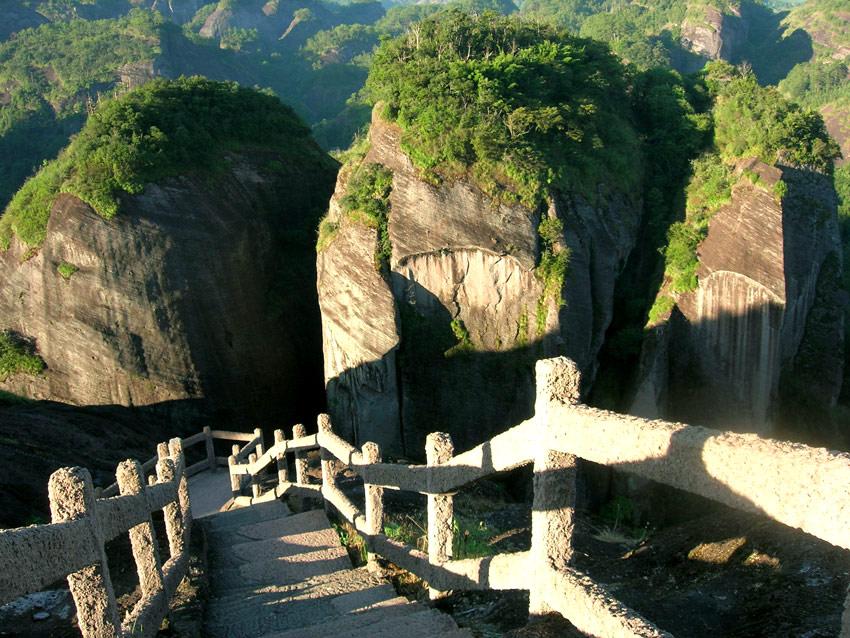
column 209, row 492
column 277, row 575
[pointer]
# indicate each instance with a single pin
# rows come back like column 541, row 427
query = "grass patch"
column 17, row 355
column 328, row 231
column 66, row 270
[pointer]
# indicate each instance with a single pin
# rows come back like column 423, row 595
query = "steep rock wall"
column 178, row 299
column 728, row 342
column 715, row 35
column 466, row 319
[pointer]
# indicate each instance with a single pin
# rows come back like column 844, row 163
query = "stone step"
column 352, row 622
column 347, row 590
column 378, row 623
column 245, row 516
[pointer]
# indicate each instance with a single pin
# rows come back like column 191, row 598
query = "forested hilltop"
column 518, row 138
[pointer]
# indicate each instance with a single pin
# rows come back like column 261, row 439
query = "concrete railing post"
column 258, row 434
column 255, row 476
column 235, row 481
column 299, row 431
column 165, row 472
column 142, row 536
column 282, row 465
column 438, row 450
column 553, row 509
column 374, row 501
column 328, row 460
column 175, row 447
column 71, row 497
column 208, row 444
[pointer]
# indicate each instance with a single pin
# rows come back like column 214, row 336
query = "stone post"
column 142, row 536
column 166, row 471
column 299, row 431
column 258, row 434
column 438, row 450
column 328, row 461
column 553, row 508
column 374, row 502
column 208, row 442
column 255, row 476
column 235, row 487
column 175, row 446
column 282, row 465
column 71, row 497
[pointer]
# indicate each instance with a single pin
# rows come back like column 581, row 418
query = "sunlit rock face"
column 447, row 338
column 767, row 266
column 195, row 296
column 715, row 35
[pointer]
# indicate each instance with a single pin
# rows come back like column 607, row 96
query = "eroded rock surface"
column 195, row 290
column 765, row 288
column 447, row 341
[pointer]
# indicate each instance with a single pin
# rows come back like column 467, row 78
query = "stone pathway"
column 277, row 575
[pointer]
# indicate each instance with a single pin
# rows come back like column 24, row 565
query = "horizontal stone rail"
column 72, row 546
column 209, row 463
column 797, row 485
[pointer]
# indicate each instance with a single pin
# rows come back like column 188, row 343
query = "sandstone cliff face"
column 447, row 341
column 719, row 359
column 715, row 35
column 194, row 295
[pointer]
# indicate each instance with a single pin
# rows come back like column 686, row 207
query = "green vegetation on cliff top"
column 166, row 128
column 525, row 109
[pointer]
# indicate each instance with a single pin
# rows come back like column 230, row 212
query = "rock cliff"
column 768, row 303
column 713, row 34
column 446, row 338
column 198, row 294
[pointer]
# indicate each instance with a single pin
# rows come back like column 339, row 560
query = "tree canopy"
column 522, row 107
column 162, row 129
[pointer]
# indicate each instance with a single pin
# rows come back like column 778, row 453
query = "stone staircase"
column 277, row 575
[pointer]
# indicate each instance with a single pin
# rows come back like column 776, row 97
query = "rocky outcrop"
column 446, row 340
column 17, row 17
column 195, row 295
column 764, row 272
column 713, row 34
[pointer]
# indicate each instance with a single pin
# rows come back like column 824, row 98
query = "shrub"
column 66, row 270
column 17, row 355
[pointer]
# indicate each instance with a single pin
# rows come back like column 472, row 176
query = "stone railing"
column 797, row 485
column 72, row 546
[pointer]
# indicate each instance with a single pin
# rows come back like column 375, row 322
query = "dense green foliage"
column 368, row 200
column 523, row 108
column 17, row 355
column 742, row 111
column 49, row 77
column 162, row 129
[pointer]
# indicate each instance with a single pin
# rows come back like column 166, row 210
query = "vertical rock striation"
column 197, row 297
column 448, row 339
column 763, row 268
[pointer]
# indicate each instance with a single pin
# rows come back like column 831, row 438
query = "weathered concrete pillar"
column 166, row 471
column 438, row 450
column 299, row 431
column 258, row 434
column 328, row 461
column 235, row 481
column 142, row 536
column 282, row 465
column 175, row 447
column 553, row 509
column 71, row 497
column 374, row 501
column 208, row 443
column 255, row 476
